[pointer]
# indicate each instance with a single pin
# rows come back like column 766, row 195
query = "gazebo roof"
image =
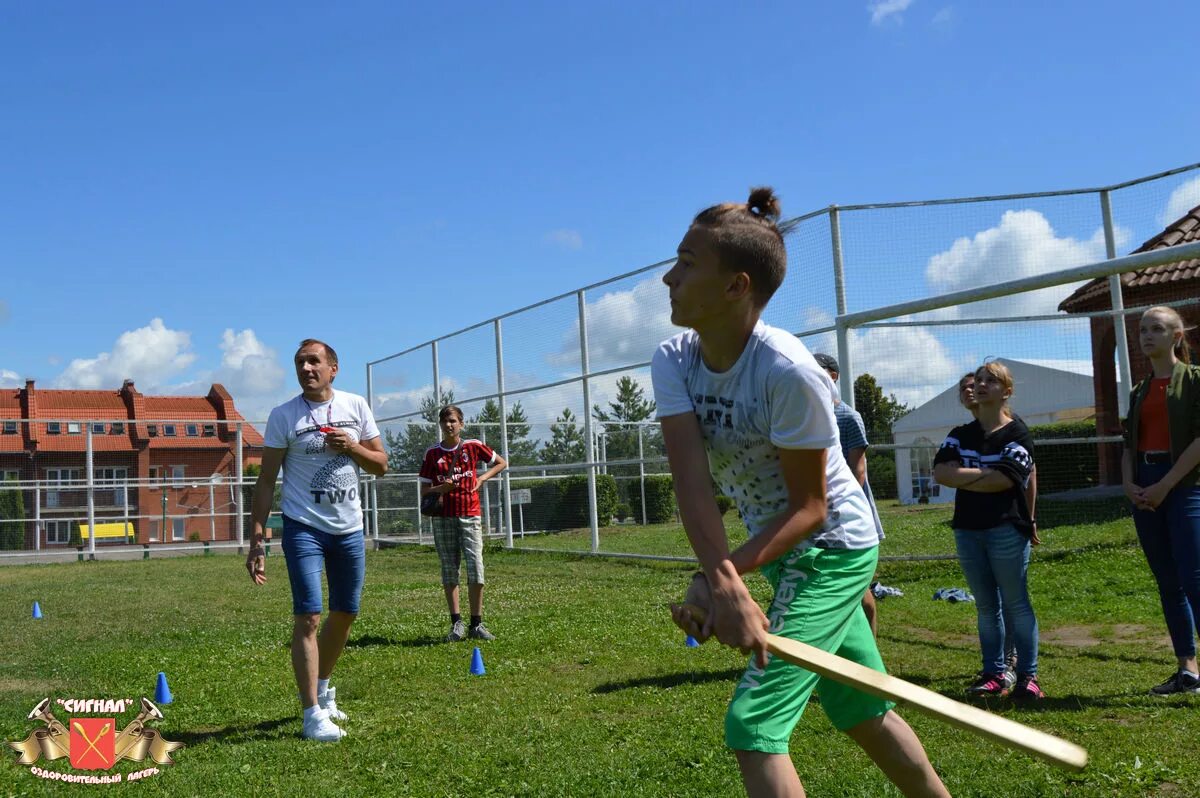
column 1094, row 295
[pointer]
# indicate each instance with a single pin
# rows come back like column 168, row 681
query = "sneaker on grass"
column 988, row 685
column 1010, row 677
column 480, row 632
column 320, row 728
column 1180, row 682
column 328, row 702
column 458, row 632
column 1027, row 689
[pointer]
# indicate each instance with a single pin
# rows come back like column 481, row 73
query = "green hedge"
column 12, row 511
column 1069, row 466
column 557, row 504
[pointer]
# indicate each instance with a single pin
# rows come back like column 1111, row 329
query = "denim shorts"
column 310, row 551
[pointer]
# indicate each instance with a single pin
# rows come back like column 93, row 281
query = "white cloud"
column 567, row 239
column 624, row 327
column 1023, row 244
column 943, row 18
column 248, row 366
column 150, row 355
column 910, row 362
column 9, row 379
column 882, row 9
column 1182, row 199
column 159, row 360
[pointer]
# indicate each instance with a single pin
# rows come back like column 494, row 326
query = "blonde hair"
column 1000, row 372
column 1175, row 322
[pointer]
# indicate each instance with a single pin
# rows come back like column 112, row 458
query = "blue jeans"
column 996, row 564
column 1170, row 538
column 309, row 552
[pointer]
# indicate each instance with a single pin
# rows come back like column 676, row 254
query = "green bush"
column 12, row 513
column 1069, row 466
column 623, row 511
column 194, row 537
column 660, row 499
column 881, row 473
column 724, row 504
column 573, row 501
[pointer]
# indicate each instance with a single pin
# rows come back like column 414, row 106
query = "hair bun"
column 763, row 202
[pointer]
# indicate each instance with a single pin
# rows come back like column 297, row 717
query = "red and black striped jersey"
column 458, row 465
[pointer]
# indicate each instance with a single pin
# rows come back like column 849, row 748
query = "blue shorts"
column 310, row 551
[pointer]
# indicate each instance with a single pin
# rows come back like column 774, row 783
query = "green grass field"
column 589, row 690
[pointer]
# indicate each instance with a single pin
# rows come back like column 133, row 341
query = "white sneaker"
column 320, row 728
column 327, row 702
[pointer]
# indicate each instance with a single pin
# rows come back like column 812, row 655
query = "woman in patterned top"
column 989, row 462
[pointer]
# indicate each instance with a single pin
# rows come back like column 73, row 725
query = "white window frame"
column 53, row 428
column 97, row 427
column 59, row 476
column 74, row 428
column 178, row 529
column 178, row 473
column 168, row 430
column 210, row 430
column 10, row 428
column 117, row 428
column 192, row 430
column 55, row 530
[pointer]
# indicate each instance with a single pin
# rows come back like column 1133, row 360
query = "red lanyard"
column 328, row 427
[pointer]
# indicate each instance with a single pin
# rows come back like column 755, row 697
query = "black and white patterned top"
column 1008, row 450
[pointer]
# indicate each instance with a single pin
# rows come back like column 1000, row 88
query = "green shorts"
column 818, row 600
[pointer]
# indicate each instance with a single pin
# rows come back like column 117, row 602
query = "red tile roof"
column 1094, row 295
column 109, row 406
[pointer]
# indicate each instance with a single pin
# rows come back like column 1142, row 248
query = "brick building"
column 165, row 463
column 1156, row 285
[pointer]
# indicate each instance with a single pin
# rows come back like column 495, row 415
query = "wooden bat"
column 1054, row 750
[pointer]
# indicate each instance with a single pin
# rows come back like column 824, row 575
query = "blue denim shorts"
column 310, row 551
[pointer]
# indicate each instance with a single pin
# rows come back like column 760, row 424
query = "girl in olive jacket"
column 1159, row 470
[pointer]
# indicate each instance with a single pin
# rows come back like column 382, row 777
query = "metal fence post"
column 585, row 362
column 845, row 360
column 375, row 507
column 239, row 501
column 505, row 485
column 487, row 494
column 37, row 515
column 437, row 376
column 212, row 509
column 642, row 470
column 370, row 388
column 1118, row 306
column 91, row 493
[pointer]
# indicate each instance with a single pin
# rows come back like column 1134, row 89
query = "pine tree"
column 566, row 444
column 521, row 450
column 621, row 440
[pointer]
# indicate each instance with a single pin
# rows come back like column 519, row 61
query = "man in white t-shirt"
column 320, row 439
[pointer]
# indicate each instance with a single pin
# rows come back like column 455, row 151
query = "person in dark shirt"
column 989, row 463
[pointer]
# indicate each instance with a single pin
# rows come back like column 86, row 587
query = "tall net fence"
column 562, row 385
column 907, row 296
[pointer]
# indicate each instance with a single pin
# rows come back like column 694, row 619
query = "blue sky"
column 188, row 190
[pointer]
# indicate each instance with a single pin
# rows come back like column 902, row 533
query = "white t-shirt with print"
column 774, row 397
column 320, row 487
